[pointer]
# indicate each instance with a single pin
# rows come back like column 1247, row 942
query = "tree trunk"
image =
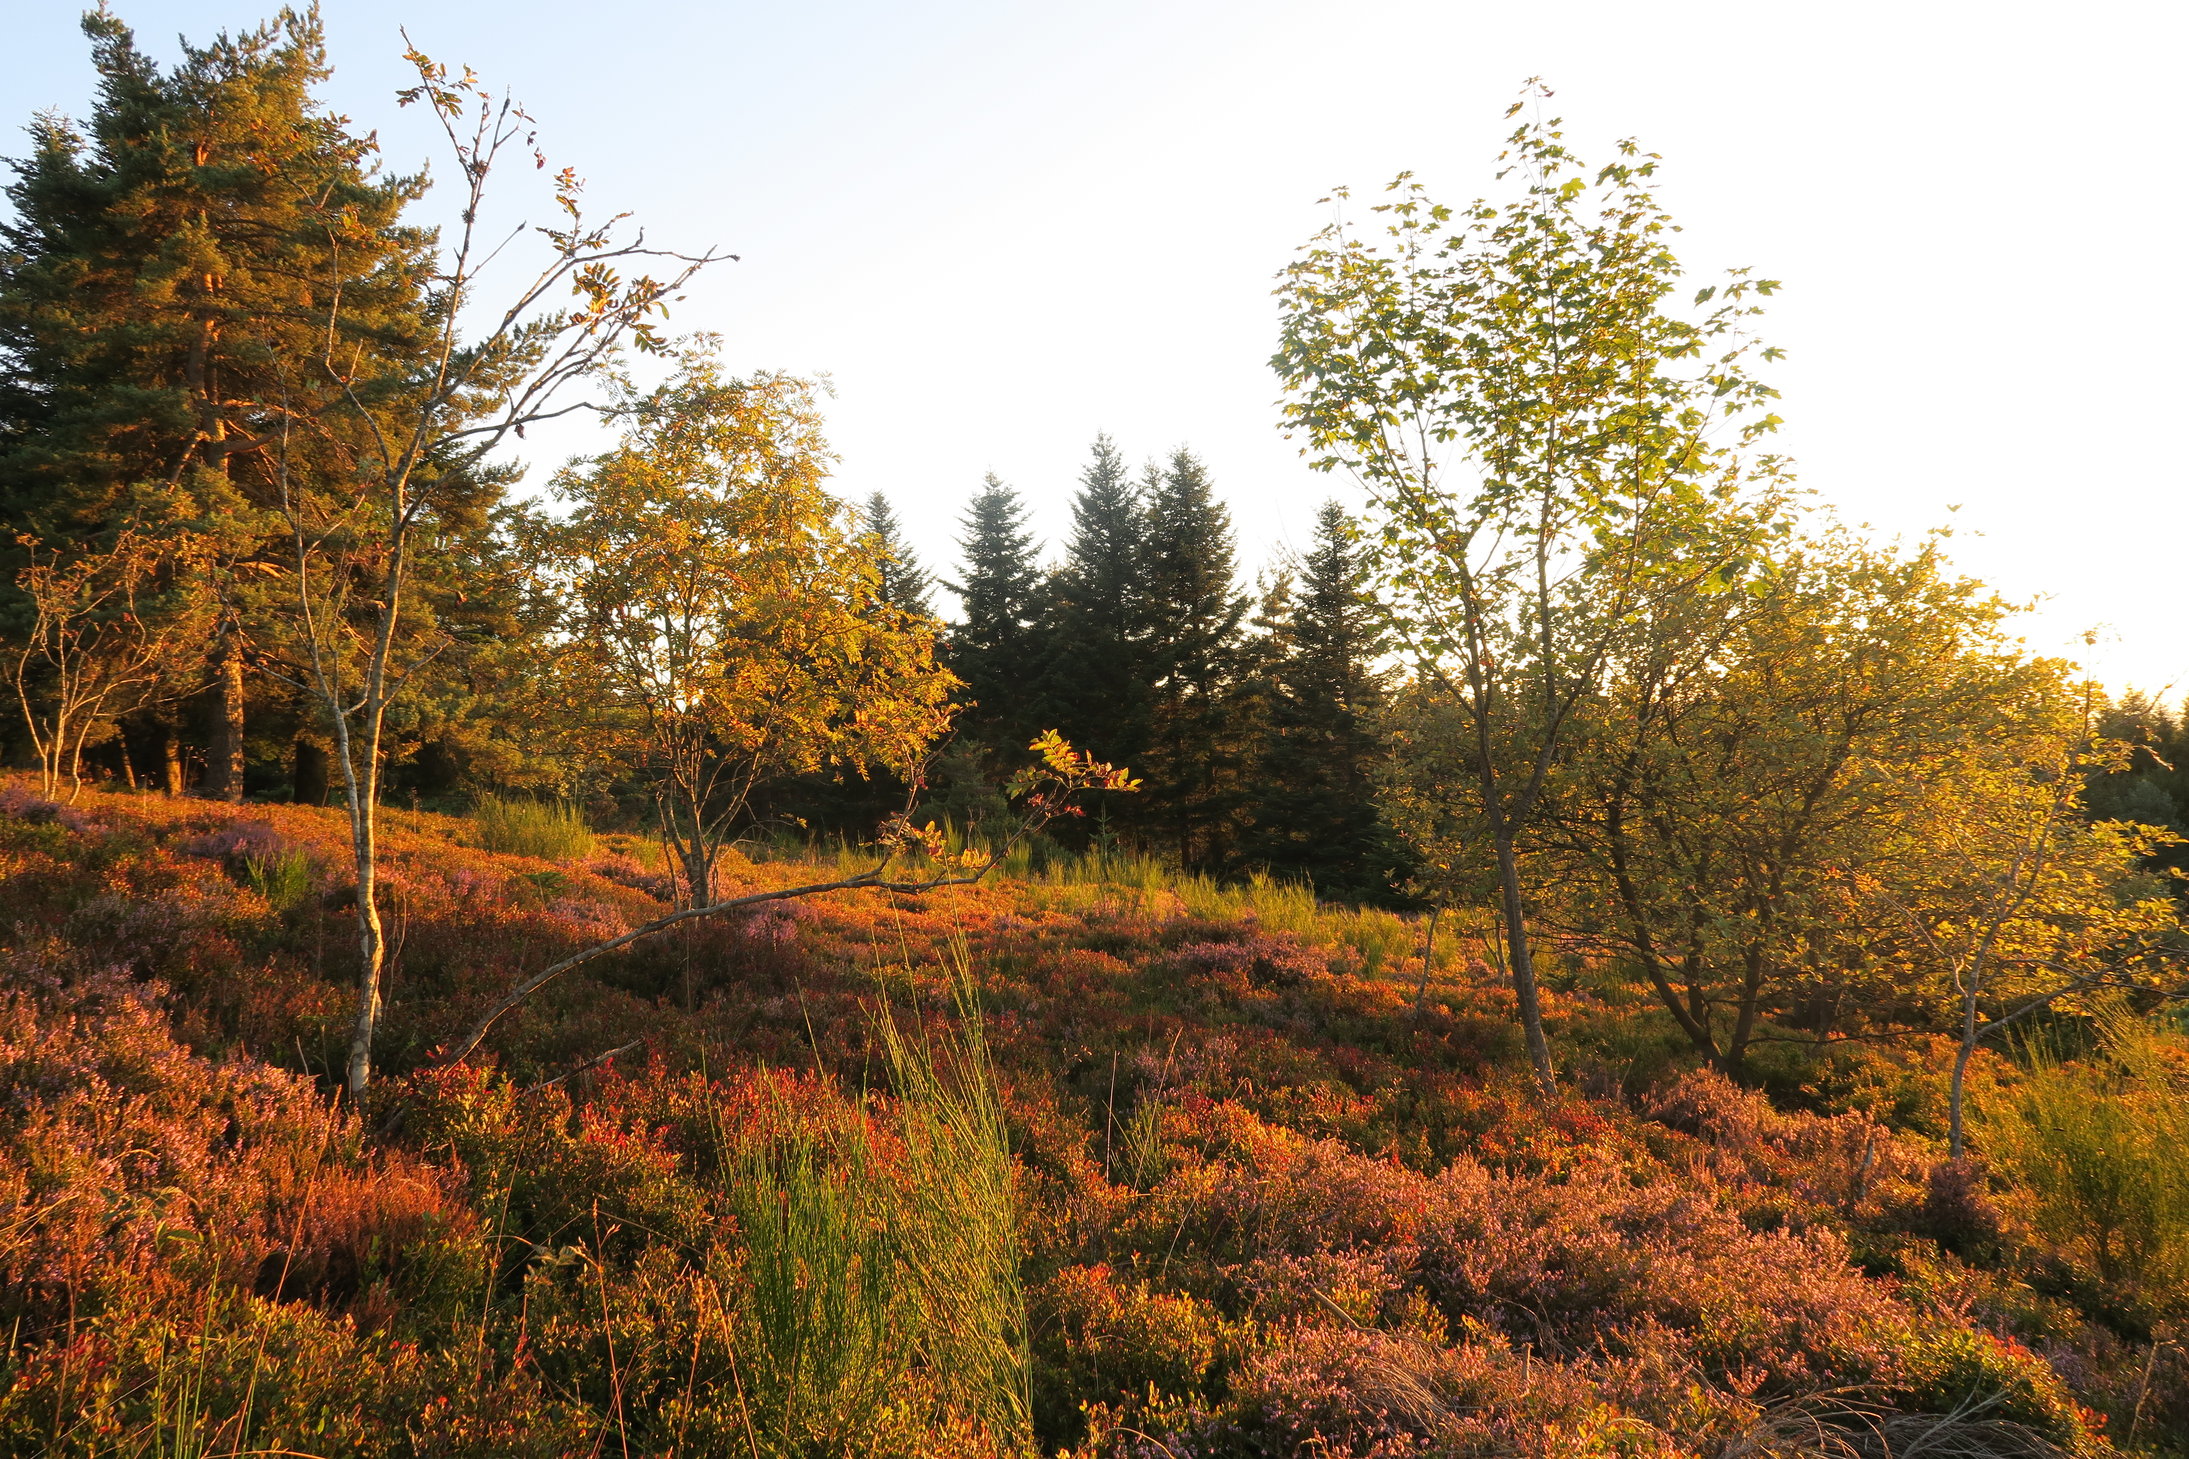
column 361, row 783
column 170, row 757
column 1972, row 1031
column 1522, row 959
column 224, row 767
column 308, row 781
column 371, row 954
column 1955, row 1094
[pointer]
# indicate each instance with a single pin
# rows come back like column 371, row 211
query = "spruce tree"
column 1193, row 615
column 905, row 584
column 994, row 646
column 1313, row 814
column 1095, row 687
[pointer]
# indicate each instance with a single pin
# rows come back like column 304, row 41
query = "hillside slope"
column 1272, row 1201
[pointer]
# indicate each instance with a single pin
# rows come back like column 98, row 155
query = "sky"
column 1000, row 228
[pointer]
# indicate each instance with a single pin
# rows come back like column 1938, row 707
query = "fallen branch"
column 872, row 879
column 1045, row 792
column 593, row 1063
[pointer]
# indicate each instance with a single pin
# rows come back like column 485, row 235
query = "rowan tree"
column 356, row 626
column 721, row 619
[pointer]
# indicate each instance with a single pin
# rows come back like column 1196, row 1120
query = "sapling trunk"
column 1521, row 958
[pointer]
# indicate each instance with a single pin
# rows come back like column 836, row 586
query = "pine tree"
column 164, row 286
column 1193, row 613
column 1313, row 814
column 1095, row 687
column 994, row 646
column 905, row 584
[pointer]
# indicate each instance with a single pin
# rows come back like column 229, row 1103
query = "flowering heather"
column 1270, row 1204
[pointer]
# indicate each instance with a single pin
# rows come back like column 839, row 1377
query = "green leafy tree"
column 722, row 620
column 1544, row 443
column 1788, row 808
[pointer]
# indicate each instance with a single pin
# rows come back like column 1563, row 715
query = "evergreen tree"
column 1313, row 814
column 1193, row 615
column 905, row 584
column 1095, row 687
column 994, row 646
column 164, row 291
column 2151, row 784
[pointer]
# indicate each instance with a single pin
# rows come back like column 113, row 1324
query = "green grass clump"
column 283, row 878
column 2097, row 1142
column 823, row 1351
column 865, row 1281
column 550, row 830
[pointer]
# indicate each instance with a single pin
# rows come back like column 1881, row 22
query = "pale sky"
column 1002, row 226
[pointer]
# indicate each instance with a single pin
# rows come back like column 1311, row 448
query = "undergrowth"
column 1101, row 1168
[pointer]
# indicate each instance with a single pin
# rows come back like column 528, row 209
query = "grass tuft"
column 870, row 1276
column 550, row 830
column 2096, row 1142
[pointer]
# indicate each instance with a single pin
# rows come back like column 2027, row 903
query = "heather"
column 1052, row 1163
column 1593, row 956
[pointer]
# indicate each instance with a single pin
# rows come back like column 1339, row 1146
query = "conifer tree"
column 1193, row 615
column 163, row 308
column 1313, row 815
column 994, row 646
column 1095, row 687
column 905, row 585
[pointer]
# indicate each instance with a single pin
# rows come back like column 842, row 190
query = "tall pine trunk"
column 224, row 767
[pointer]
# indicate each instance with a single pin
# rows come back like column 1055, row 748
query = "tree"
column 1095, row 680
column 1041, row 792
column 904, row 584
column 1313, row 814
column 99, row 640
column 1772, row 781
column 2148, row 782
column 1193, row 612
column 165, row 296
column 993, row 647
column 721, row 619
column 2031, row 907
column 427, row 423
column 1539, row 436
